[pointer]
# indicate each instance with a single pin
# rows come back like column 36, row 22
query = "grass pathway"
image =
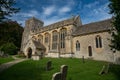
column 9, row 64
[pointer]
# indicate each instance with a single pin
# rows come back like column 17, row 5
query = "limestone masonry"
column 68, row 38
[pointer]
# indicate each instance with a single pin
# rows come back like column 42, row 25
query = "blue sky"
column 51, row 11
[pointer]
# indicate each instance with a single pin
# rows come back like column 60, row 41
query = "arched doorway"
column 29, row 53
column 90, row 50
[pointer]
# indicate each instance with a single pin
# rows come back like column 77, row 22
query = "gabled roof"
column 59, row 24
column 38, row 45
column 94, row 27
column 64, row 22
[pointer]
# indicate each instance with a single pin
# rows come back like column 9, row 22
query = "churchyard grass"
column 36, row 70
column 5, row 60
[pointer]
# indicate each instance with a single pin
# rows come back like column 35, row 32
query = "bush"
column 9, row 48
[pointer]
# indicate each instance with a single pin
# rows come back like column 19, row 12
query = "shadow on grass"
column 115, row 69
column 23, row 71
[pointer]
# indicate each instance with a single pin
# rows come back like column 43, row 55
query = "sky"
column 51, row 11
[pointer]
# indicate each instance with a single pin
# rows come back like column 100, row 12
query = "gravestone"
column 105, row 69
column 83, row 60
column 1, row 53
column 48, row 65
column 102, row 70
column 118, row 60
column 41, row 55
column 57, row 76
column 63, row 71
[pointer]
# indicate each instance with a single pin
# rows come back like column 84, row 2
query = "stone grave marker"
column 48, row 65
column 83, row 60
column 102, row 70
column 63, row 71
column 105, row 69
column 57, row 76
column 1, row 53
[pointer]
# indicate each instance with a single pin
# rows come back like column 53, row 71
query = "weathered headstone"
column 105, row 69
column 83, row 60
column 48, row 65
column 1, row 53
column 118, row 60
column 57, row 76
column 63, row 71
column 41, row 55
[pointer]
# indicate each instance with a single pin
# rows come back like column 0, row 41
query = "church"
column 68, row 38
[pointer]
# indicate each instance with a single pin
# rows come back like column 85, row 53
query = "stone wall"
column 68, row 39
column 103, row 53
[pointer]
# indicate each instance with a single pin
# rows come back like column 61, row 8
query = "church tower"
column 32, row 26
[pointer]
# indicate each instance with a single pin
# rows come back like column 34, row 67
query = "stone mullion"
column 58, row 43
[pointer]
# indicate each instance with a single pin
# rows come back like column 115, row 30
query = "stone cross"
column 63, row 71
column 56, row 76
column 48, row 66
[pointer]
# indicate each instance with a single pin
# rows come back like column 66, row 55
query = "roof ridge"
column 98, row 21
column 99, row 26
column 61, row 21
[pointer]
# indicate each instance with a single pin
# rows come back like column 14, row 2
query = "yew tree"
column 7, row 8
column 114, row 6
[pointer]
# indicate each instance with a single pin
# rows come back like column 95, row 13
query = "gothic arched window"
column 98, row 42
column 40, row 38
column 62, row 38
column 77, row 46
column 54, row 40
column 46, row 38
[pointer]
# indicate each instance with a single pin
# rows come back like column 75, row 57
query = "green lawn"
column 35, row 70
column 4, row 60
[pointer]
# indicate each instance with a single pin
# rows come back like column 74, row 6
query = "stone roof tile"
column 94, row 27
column 59, row 24
column 38, row 45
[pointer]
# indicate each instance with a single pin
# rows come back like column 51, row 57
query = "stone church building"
column 68, row 38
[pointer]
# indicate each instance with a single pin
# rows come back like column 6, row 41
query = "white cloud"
column 98, row 13
column 58, row 10
column 71, row 2
column 102, row 12
column 48, row 10
column 64, row 9
column 22, row 16
column 30, row 13
column 91, row 4
column 34, row 12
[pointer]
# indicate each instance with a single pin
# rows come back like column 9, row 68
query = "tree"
column 11, row 32
column 9, row 48
column 114, row 6
column 7, row 9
